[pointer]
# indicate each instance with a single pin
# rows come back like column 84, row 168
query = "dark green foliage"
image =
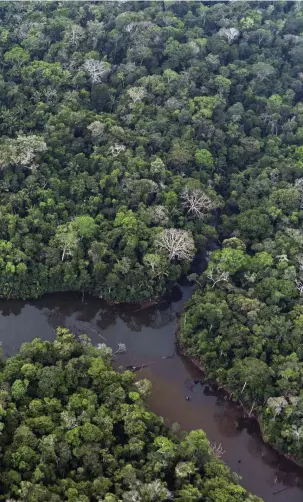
column 112, row 116
column 100, row 113
column 245, row 323
column 74, row 429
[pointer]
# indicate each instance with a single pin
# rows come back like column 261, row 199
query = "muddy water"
column 149, row 335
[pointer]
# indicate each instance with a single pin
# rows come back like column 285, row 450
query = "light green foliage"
column 18, row 389
column 64, row 436
column 108, row 114
column 230, row 260
column 274, row 103
column 203, row 106
column 16, row 56
column 125, row 219
column 67, row 240
column 223, row 84
column 204, row 158
column 84, row 226
column 299, row 153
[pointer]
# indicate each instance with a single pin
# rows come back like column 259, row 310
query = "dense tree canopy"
column 128, row 130
column 124, row 123
column 74, row 429
column 101, row 147
column 245, row 322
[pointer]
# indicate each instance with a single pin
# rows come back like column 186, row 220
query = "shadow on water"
column 149, row 335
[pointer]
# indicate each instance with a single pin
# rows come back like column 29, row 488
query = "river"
column 149, row 336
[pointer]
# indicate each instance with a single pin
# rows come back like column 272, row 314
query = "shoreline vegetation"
column 133, row 133
column 73, row 428
column 246, row 410
column 249, row 380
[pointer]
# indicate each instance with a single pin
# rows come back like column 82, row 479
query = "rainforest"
column 73, row 429
column 134, row 136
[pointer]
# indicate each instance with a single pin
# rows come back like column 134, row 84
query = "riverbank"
column 144, row 304
column 251, row 415
column 149, row 336
column 135, row 310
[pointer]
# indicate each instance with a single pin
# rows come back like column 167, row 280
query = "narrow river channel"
column 149, row 335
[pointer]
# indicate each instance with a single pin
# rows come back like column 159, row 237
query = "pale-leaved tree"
column 136, row 94
column 97, row 70
column 158, row 215
column 96, row 129
column 263, row 70
column 74, row 35
column 156, row 263
column 299, row 186
column 67, row 240
column 299, row 286
column 277, row 404
column 230, row 34
column 21, row 151
column 116, row 149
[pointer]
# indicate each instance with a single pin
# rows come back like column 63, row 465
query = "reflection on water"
column 149, row 335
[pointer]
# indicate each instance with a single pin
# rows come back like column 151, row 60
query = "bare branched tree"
column 121, row 349
column 197, row 202
column 217, row 450
column 177, row 243
column 282, row 258
column 97, row 70
column 216, row 275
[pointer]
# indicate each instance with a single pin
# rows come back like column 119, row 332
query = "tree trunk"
column 243, row 388
column 251, row 409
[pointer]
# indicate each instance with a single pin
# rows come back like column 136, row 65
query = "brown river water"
column 149, row 335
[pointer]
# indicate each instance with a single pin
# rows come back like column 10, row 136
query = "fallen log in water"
column 282, row 490
column 137, row 368
column 170, row 356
